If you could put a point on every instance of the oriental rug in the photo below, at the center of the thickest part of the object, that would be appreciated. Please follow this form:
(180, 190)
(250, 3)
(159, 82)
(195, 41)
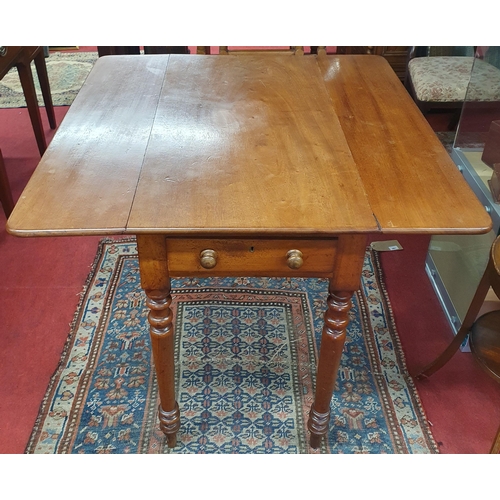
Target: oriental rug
(246, 351)
(66, 71)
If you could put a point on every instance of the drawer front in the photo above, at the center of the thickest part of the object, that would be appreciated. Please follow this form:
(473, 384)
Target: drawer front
(213, 257)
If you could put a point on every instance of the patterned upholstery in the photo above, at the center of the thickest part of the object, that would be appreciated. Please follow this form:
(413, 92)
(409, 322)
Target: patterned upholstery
(446, 78)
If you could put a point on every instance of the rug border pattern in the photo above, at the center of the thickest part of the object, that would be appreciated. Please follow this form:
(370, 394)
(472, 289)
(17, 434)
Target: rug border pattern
(94, 350)
(420, 414)
(35, 434)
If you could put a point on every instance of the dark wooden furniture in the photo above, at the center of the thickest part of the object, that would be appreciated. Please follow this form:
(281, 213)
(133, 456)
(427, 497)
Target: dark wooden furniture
(5, 192)
(395, 56)
(484, 332)
(246, 166)
(136, 50)
(290, 50)
(226, 50)
(21, 57)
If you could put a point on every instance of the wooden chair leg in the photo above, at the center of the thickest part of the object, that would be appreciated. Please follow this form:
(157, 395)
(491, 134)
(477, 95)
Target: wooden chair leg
(43, 78)
(26, 77)
(5, 192)
(469, 319)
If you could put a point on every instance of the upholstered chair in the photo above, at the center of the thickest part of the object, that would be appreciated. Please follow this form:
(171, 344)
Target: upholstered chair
(440, 77)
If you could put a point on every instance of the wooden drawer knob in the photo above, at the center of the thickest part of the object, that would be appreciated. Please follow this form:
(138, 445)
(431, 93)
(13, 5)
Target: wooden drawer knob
(294, 259)
(208, 258)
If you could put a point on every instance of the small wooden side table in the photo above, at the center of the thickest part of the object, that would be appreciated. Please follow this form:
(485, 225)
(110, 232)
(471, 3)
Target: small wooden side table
(484, 332)
(255, 165)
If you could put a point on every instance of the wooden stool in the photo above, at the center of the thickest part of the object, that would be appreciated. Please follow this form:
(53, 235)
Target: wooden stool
(21, 57)
(5, 192)
(484, 333)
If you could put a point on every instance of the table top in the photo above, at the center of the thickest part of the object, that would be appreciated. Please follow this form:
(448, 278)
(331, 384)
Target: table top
(260, 146)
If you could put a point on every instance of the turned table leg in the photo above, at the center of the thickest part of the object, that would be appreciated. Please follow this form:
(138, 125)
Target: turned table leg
(332, 344)
(345, 281)
(155, 281)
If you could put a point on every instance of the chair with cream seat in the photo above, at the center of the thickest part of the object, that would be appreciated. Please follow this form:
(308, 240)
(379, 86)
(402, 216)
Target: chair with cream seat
(440, 77)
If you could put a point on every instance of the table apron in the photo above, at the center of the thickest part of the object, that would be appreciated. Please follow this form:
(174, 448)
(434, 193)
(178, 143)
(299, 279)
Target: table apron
(251, 257)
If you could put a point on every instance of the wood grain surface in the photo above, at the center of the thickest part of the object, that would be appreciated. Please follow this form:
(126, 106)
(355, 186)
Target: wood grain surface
(409, 177)
(247, 145)
(275, 146)
(86, 180)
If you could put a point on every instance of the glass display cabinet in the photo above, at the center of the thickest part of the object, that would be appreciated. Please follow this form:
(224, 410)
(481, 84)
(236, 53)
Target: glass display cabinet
(455, 264)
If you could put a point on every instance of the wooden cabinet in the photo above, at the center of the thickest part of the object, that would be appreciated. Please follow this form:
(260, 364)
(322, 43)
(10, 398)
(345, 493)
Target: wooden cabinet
(395, 56)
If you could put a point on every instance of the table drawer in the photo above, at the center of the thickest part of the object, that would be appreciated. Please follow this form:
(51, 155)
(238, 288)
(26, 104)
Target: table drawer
(213, 257)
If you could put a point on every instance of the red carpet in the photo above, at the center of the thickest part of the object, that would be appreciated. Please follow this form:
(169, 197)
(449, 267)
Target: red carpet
(39, 286)
(461, 401)
(40, 280)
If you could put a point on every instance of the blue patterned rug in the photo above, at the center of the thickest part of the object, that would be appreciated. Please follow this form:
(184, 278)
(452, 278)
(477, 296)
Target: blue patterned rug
(246, 363)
